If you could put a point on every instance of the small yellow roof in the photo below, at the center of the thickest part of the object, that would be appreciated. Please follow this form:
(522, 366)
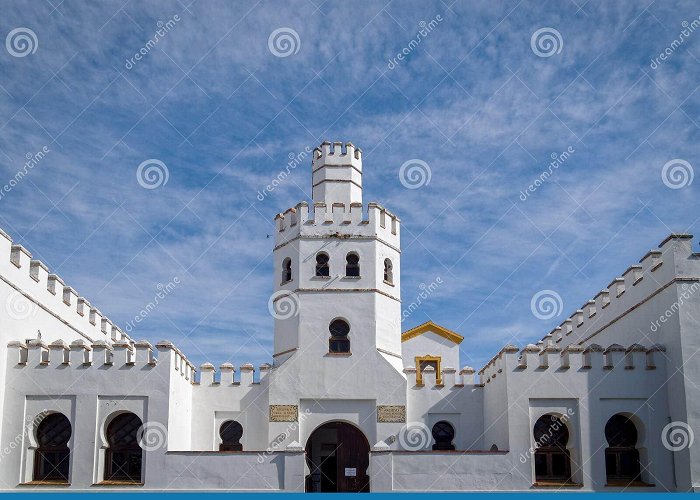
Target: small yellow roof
(432, 327)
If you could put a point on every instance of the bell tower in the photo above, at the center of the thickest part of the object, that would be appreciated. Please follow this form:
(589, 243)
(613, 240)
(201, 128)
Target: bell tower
(337, 270)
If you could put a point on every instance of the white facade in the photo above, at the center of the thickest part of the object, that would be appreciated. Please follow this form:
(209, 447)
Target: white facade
(359, 402)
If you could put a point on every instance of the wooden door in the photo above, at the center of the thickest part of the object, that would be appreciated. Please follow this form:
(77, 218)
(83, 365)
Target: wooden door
(353, 459)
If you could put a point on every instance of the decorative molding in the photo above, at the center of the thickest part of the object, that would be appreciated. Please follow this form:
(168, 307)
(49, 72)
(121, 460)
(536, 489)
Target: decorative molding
(432, 327)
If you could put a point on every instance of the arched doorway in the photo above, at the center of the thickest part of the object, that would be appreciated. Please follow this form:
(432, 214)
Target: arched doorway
(337, 454)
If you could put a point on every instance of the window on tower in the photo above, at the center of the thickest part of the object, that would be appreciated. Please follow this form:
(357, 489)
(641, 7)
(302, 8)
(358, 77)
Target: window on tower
(339, 343)
(286, 270)
(322, 267)
(352, 265)
(388, 272)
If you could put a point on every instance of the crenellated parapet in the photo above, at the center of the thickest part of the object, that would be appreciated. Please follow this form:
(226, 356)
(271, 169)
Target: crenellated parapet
(337, 220)
(226, 375)
(80, 353)
(32, 281)
(550, 357)
(336, 154)
(673, 260)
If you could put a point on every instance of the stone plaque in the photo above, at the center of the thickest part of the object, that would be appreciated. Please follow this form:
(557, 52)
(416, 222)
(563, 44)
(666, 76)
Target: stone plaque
(284, 413)
(391, 414)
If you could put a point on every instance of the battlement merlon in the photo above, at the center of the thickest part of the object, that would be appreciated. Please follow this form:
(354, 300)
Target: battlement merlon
(336, 174)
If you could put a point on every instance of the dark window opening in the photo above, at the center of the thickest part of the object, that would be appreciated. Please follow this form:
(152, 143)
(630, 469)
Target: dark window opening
(322, 267)
(388, 271)
(231, 433)
(52, 456)
(286, 270)
(339, 341)
(124, 456)
(443, 434)
(621, 457)
(552, 458)
(352, 265)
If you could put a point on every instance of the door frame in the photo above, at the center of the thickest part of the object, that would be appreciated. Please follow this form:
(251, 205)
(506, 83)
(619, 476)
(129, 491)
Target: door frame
(341, 482)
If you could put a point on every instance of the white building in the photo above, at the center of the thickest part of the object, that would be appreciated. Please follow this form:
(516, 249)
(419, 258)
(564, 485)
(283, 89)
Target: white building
(349, 402)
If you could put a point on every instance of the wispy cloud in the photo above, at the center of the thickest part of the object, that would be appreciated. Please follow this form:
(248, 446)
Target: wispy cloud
(223, 113)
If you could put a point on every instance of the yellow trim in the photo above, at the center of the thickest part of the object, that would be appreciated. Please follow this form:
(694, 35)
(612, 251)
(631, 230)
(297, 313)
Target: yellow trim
(438, 370)
(432, 327)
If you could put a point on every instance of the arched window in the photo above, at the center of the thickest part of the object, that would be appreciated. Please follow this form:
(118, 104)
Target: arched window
(552, 459)
(231, 433)
(443, 434)
(124, 455)
(286, 270)
(52, 456)
(621, 457)
(352, 265)
(388, 271)
(322, 268)
(339, 341)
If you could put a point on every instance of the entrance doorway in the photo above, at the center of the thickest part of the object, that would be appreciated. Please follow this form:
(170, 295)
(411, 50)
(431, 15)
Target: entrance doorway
(337, 454)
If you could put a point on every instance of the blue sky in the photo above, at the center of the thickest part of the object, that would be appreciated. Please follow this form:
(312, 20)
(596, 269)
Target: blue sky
(472, 100)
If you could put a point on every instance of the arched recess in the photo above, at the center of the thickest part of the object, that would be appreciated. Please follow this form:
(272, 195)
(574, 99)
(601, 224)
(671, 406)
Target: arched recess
(52, 454)
(623, 458)
(443, 434)
(123, 456)
(231, 432)
(337, 454)
(552, 450)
